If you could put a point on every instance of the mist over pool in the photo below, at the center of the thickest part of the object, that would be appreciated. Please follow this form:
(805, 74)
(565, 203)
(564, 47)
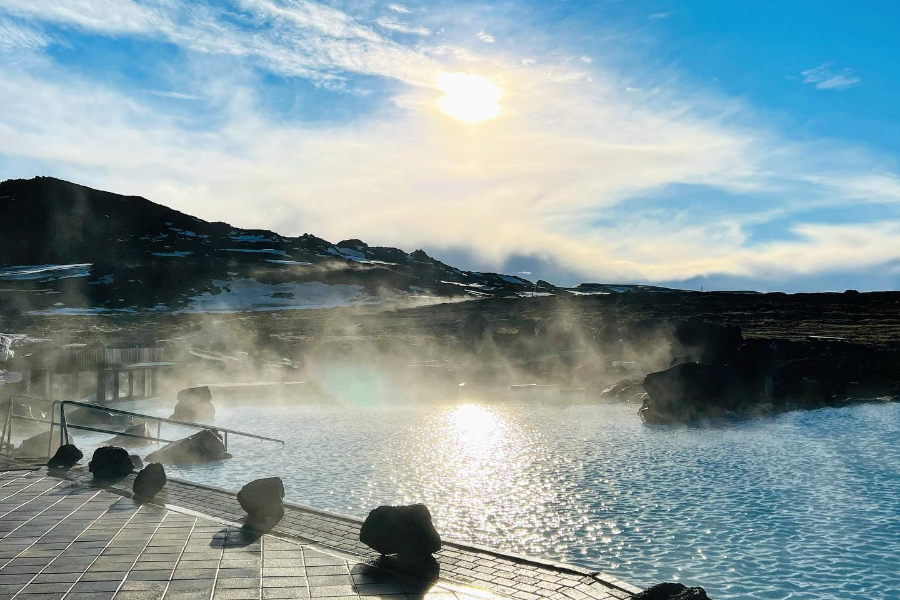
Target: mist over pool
(803, 505)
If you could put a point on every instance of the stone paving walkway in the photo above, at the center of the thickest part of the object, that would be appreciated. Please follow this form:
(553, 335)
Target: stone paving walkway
(63, 538)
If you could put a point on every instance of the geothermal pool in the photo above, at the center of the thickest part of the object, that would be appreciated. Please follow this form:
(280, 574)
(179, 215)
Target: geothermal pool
(805, 505)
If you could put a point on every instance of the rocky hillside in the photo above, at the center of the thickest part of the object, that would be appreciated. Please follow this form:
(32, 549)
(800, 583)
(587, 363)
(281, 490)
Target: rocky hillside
(68, 248)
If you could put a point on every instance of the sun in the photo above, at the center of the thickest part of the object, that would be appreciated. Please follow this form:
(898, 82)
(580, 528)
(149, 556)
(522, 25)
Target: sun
(469, 98)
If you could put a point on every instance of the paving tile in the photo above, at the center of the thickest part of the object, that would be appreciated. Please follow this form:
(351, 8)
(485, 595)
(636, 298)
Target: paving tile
(63, 532)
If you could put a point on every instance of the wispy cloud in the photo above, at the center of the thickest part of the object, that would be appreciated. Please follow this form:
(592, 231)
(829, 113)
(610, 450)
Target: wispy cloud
(16, 36)
(659, 15)
(402, 27)
(485, 37)
(175, 95)
(824, 77)
(398, 8)
(539, 181)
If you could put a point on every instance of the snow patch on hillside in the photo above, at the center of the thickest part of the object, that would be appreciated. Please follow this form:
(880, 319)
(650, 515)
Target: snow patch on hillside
(44, 272)
(251, 295)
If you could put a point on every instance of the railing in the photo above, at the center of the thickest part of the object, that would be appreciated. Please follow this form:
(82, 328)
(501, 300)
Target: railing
(64, 426)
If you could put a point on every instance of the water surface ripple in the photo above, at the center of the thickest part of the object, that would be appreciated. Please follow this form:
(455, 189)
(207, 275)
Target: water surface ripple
(802, 506)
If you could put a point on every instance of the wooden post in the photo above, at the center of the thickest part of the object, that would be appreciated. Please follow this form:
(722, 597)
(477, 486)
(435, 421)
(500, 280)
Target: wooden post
(115, 394)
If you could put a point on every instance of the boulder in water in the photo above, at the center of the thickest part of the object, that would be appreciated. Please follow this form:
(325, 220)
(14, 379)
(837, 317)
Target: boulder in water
(262, 500)
(128, 441)
(92, 417)
(203, 446)
(37, 445)
(194, 404)
(149, 481)
(66, 456)
(672, 591)
(405, 530)
(110, 462)
(707, 342)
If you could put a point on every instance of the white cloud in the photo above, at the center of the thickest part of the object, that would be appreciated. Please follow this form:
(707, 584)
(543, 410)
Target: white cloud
(659, 16)
(15, 36)
(824, 78)
(587, 59)
(485, 37)
(175, 95)
(534, 182)
(398, 8)
(402, 27)
(112, 16)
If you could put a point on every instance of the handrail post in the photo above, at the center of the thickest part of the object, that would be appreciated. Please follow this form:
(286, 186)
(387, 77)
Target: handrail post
(158, 430)
(63, 428)
(7, 427)
(52, 422)
(226, 440)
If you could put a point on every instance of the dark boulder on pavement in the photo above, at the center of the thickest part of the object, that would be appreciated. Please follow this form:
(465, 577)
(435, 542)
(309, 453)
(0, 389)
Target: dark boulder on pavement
(406, 530)
(66, 456)
(263, 500)
(194, 404)
(203, 446)
(672, 591)
(110, 462)
(136, 462)
(149, 481)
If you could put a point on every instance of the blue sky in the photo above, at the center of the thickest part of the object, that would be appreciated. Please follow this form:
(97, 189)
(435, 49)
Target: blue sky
(723, 144)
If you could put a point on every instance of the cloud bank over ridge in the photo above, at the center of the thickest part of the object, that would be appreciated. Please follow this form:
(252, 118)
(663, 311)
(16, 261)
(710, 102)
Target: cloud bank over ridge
(586, 171)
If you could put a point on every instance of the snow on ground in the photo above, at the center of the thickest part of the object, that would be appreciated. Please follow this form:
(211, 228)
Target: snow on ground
(250, 295)
(248, 238)
(533, 294)
(515, 280)
(105, 280)
(577, 293)
(44, 272)
(347, 253)
(257, 250)
(289, 262)
(176, 253)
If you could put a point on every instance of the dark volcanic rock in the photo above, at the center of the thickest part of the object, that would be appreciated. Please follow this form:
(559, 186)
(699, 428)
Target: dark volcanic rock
(262, 500)
(194, 404)
(97, 418)
(692, 391)
(149, 481)
(626, 389)
(37, 445)
(203, 446)
(110, 462)
(136, 462)
(672, 591)
(403, 530)
(66, 456)
(128, 441)
(707, 342)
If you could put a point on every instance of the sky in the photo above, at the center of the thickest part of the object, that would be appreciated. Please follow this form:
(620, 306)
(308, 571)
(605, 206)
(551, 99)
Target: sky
(728, 145)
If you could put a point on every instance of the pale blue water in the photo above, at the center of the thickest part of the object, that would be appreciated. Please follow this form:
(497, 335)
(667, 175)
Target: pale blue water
(802, 506)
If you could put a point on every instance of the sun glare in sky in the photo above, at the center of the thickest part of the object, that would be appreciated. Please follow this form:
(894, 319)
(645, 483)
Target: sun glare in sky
(469, 98)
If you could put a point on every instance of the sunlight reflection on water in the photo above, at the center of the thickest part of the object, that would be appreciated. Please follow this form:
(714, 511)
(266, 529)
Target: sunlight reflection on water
(800, 506)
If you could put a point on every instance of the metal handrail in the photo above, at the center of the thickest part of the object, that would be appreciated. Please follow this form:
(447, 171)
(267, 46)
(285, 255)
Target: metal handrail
(64, 426)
